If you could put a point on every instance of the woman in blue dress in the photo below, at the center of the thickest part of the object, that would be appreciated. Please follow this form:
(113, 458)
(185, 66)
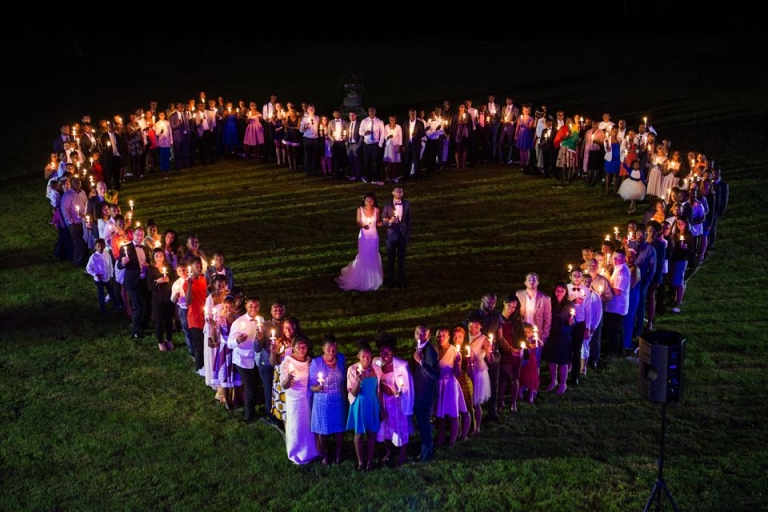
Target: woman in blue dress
(524, 136)
(329, 406)
(231, 141)
(612, 160)
(365, 409)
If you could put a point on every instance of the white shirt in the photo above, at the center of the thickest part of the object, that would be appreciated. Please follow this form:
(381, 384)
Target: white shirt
(177, 293)
(620, 279)
(530, 308)
(308, 126)
(243, 354)
(396, 133)
(100, 264)
(163, 133)
(434, 128)
(581, 310)
(375, 126)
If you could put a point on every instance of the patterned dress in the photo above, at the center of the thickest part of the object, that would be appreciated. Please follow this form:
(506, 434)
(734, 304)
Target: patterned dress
(329, 406)
(278, 393)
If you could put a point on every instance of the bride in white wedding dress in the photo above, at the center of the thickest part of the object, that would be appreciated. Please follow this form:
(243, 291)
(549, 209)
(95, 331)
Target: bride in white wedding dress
(365, 272)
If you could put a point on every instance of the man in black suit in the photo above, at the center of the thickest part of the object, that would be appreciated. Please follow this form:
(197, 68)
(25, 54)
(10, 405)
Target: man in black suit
(396, 216)
(181, 137)
(426, 373)
(134, 258)
(413, 135)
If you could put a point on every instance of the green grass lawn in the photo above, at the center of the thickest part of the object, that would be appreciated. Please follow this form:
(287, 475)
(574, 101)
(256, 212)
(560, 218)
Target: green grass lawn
(92, 419)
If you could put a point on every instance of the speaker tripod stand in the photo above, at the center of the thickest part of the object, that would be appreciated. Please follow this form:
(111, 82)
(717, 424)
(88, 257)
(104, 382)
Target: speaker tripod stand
(661, 485)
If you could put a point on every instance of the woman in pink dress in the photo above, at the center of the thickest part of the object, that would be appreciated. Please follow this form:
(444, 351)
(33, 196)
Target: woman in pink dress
(254, 133)
(450, 399)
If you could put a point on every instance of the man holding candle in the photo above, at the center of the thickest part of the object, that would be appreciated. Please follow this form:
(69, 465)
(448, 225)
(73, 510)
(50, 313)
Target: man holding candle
(396, 215)
(134, 258)
(353, 139)
(536, 308)
(413, 135)
(245, 341)
(618, 306)
(371, 130)
(73, 206)
(309, 127)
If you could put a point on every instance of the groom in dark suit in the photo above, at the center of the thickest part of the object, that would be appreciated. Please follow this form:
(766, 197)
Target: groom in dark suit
(134, 258)
(396, 215)
(426, 373)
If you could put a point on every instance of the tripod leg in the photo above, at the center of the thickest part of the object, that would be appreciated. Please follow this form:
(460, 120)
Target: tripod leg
(655, 495)
(669, 496)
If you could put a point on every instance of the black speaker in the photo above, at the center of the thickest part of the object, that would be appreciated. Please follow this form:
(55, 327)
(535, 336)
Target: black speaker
(661, 366)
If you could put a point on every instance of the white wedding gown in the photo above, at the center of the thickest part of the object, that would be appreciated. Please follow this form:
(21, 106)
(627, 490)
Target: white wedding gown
(365, 272)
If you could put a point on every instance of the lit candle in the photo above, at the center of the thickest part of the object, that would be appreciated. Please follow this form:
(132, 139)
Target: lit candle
(320, 379)
(157, 243)
(291, 368)
(570, 268)
(573, 312)
(212, 264)
(138, 224)
(189, 269)
(88, 219)
(607, 238)
(600, 289)
(205, 310)
(359, 368)
(682, 238)
(165, 272)
(77, 210)
(467, 350)
(399, 384)
(273, 335)
(130, 203)
(522, 345)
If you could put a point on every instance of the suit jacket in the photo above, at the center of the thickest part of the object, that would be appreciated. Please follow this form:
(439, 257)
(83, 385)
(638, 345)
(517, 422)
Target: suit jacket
(342, 135)
(177, 127)
(398, 230)
(425, 376)
(132, 268)
(542, 316)
(419, 133)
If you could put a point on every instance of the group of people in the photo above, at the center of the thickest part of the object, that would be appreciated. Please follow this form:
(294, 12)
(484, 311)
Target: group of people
(482, 365)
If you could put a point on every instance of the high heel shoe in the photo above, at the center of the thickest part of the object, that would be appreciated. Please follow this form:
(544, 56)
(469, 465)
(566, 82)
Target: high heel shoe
(561, 389)
(359, 467)
(513, 408)
(551, 387)
(162, 348)
(531, 397)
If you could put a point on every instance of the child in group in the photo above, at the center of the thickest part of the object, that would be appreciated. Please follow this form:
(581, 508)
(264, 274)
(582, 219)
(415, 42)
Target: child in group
(101, 268)
(633, 187)
(529, 372)
(178, 297)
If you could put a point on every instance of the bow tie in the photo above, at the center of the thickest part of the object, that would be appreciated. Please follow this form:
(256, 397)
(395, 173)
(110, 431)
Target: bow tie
(397, 204)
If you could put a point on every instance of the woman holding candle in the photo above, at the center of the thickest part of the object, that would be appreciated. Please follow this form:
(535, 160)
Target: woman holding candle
(461, 130)
(193, 250)
(657, 211)
(524, 135)
(223, 367)
(135, 145)
(450, 400)
(329, 405)
(512, 333)
(612, 160)
(365, 272)
(365, 408)
(670, 178)
(392, 142)
(655, 174)
(278, 133)
(164, 139)
(282, 347)
(213, 310)
(230, 140)
(681, 244)
(480, 347)
(326, 154)
(460, 337)
(293, 137)
(557, 350)
(254, 133)
(300, 442)
(397, 400)
(163, 309)
(170, 245)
